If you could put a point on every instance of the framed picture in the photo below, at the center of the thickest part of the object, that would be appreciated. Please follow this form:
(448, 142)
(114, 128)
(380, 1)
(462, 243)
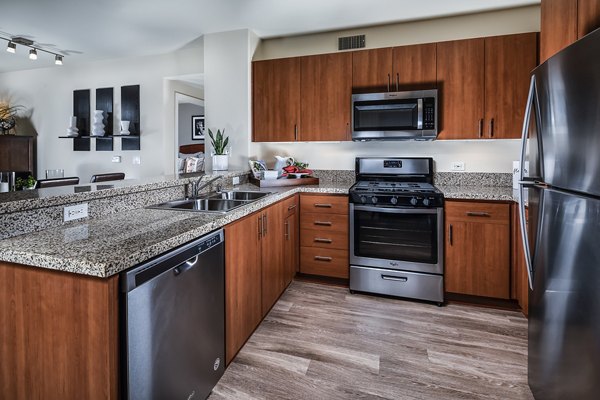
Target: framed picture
(198, 127)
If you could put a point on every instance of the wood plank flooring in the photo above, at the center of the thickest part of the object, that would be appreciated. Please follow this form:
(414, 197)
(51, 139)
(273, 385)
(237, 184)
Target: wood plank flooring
(321, 342)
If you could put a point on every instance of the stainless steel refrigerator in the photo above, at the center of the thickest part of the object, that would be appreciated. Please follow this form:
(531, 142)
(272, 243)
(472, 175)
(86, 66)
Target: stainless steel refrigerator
(562, 234)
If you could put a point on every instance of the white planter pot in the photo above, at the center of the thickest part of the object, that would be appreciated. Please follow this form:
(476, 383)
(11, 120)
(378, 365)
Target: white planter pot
(220, 162)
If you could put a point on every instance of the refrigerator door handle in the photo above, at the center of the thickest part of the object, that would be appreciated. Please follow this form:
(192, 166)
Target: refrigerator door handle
(522, 183)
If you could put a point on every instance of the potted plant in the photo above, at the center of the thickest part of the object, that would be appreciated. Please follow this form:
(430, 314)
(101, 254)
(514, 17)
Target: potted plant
(25, 183)
(220, 156)
(8, 117)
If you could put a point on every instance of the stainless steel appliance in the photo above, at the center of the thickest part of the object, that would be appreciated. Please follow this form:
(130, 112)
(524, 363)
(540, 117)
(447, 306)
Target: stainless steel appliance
(396, 229)
(173, 322)
(395, 116)
(562, 130)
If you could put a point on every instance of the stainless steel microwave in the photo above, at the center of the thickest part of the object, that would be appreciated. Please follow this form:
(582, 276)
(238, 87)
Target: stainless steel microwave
(395, 115)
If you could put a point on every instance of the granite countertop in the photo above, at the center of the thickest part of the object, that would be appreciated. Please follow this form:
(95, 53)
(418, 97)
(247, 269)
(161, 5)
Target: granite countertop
(105, 246)
(464, 192)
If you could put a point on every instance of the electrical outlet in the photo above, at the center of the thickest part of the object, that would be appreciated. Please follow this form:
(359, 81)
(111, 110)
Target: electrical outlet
(77, 211)
(116, 159)
(137, 160)
(458, 166)
(236, 180)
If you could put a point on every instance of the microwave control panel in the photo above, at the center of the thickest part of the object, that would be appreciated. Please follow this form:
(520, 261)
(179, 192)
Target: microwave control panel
(429, 113)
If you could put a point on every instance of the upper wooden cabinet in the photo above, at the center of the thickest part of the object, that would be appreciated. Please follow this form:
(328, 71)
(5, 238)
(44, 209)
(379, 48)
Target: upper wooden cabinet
(392, 69)
(276, 100)
(17, 153)
(565, 21)
(484, 84)
(326, 91)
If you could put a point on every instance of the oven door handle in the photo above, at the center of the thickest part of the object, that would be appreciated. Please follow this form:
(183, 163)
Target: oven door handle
(397, 210)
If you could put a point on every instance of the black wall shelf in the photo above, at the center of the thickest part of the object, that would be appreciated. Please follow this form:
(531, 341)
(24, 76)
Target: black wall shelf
(81, 110)
(130, 111)
(104, 102)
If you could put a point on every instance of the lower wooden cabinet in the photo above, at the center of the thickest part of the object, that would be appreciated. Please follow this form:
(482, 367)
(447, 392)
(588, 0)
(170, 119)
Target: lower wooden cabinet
(324, 235)
(477, 248)
(520, 279)
(291, 256)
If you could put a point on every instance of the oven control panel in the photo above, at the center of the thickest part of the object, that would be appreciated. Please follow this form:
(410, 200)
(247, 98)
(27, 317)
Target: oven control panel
(391, 200)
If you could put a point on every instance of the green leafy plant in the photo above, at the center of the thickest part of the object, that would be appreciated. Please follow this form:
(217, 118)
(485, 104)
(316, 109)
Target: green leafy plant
(219, 142)
(26, 183)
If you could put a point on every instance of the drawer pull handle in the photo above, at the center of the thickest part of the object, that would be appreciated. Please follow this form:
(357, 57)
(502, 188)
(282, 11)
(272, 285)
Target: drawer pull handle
(323, 223)
(321, 240)
(323, 205)
(478, 214)
(321, 258)
(394, 278)
(290, 208)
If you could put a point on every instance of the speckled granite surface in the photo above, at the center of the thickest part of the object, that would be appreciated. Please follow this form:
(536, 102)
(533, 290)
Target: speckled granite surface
(472, 179)
(497, 193)
(108, 245)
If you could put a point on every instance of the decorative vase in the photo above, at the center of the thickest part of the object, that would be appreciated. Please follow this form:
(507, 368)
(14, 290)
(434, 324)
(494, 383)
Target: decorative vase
(72, 130)
(220, 162)
(98, 125)
(125, 128)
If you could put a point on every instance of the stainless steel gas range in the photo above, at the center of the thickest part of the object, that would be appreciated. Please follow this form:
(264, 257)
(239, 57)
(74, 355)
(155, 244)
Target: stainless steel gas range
(396, 229)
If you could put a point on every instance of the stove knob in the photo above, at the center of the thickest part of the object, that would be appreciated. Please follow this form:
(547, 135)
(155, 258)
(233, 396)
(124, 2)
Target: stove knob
(413, 201)
(426, 202)
(394, 200)
(363, 199)
(374, 200)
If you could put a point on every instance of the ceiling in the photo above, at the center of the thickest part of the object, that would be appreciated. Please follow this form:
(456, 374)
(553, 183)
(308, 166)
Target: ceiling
(86, 30)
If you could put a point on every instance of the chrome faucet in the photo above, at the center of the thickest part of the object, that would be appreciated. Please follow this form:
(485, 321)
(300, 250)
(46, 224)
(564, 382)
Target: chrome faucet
(197, 187)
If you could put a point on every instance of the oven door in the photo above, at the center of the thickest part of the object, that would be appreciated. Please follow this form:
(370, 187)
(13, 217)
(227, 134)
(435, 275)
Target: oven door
(408, 239)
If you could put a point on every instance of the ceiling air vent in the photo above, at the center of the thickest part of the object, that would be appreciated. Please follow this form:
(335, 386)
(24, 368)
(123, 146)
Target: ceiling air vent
(351, 42)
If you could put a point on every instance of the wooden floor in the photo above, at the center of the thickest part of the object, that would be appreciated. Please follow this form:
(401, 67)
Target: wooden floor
(320, 342)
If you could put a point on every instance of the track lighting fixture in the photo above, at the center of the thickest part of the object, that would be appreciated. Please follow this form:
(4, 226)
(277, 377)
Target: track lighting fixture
(13, 41)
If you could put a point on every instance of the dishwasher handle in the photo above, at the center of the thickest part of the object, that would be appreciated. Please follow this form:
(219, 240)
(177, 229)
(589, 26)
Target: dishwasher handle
(178, 260)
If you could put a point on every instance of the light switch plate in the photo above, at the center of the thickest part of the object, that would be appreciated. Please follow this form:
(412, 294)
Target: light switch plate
(116, 159)
(137, 160)
(236, 180)
(76, 211)
(458, 165)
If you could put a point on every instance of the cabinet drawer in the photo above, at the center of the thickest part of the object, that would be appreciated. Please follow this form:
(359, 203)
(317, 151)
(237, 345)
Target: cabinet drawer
(324, 223)
(325, 262)
(483, 212)
(290, 205)
(324, 239)
(324, 204)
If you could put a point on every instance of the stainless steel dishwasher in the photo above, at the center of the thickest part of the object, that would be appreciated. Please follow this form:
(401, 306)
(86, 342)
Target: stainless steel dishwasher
(173, 322)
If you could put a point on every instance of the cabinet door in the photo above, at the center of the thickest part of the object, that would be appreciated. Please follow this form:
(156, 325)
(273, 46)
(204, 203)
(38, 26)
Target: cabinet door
(372, 70)
(588, 16)
(414, 67)
(509, 60)
(291, 247)
(519, 268)
(460, 77)
(326, 92)
(275, 100)
(272, 244)
(242, 282)
(477, 258)
(558, 26)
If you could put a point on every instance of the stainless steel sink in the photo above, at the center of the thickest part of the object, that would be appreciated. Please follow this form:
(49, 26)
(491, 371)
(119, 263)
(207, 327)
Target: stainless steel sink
(239, 195)
(202, 205)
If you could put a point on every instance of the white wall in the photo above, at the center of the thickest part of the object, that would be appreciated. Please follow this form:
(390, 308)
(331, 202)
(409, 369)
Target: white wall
(48, 94)
(227, 58)
(478, 155)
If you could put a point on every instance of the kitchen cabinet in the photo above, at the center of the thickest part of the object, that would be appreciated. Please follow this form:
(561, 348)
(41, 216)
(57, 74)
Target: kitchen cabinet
(520, 280)
(326, 91)
(324, 235)
(393, 69)
(291, 255)
(276, 100)
(17, 153)
(59, 334)
(477, 248)
(565, 21)
(271, 241)
(483, 85)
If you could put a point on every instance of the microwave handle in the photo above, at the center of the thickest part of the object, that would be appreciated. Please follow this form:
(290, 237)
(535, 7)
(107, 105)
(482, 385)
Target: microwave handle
(420, 113)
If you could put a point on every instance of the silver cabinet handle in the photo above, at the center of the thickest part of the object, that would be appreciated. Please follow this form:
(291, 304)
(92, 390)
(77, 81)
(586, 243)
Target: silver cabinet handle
(394, 278)
(259, 227)
(322, 240)
(397, 81)
(389, 81)
(291, 207)
(481, 127)
(323, 223)
(321, 258)
(323, 205)
(287, 230)
(264, 224)
(295, 131)
(450, 234)
(492, 127)
(478, 214)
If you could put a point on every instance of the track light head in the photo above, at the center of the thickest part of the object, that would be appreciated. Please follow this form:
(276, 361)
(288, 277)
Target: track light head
(58, 60)
(11, 47)
(32, 54)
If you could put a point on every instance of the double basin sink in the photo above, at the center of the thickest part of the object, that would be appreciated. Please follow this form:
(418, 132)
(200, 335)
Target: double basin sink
(214, 202)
